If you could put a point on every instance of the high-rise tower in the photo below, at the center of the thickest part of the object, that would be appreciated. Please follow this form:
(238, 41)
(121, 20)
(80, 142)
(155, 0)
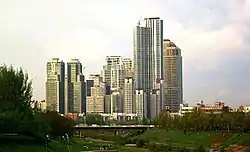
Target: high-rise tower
(148, 58)
(55, 85)
(173, 89)
(75, 88)
(129, 96)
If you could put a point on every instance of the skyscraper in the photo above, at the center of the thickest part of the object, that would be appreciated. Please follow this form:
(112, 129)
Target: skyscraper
(173, 89)
(55, 85)
(75, 92)
(148, 57)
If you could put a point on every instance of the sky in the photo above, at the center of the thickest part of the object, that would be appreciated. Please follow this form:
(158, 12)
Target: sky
(214, 36)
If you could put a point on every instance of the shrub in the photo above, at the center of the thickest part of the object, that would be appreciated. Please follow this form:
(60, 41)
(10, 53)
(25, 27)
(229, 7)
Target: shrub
(158, 147)
(140, 143)
(200, 149)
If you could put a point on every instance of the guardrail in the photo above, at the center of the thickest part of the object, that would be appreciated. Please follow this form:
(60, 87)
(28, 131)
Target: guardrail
(116, 126)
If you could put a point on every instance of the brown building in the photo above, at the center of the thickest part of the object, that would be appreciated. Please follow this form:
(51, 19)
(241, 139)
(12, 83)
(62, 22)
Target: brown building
(217, 108)
(172, 65)
(72, 116)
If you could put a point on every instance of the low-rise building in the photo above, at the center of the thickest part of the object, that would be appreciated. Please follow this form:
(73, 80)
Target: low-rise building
(217, 108)
(246, 109)
(184, 108)
(119, 116)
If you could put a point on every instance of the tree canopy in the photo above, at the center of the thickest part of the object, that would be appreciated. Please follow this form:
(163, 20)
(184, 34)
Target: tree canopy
(201, 121)
(15, 90)
(16, 113)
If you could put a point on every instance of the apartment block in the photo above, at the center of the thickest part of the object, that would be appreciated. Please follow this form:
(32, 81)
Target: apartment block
(55, 85)
(129, 96)
(141, 103)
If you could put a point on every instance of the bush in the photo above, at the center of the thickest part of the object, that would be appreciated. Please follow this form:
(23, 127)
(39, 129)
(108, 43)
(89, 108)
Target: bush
(60, 125)
(140, 143)
(182, 149)
(121, 142)
(158, 147)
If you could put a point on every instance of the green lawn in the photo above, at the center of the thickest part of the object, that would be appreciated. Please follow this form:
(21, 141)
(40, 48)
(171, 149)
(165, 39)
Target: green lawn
(239, 139)
(55, 146)
(158, 136)
(178, 138)
(131, 149)
(79, 145)
(35, 148)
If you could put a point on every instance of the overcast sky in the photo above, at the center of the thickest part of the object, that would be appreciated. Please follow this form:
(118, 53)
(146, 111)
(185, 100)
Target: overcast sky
(213, 34)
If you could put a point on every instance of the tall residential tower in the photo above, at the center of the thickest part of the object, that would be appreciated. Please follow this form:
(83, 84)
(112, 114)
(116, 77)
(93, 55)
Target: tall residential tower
(148, 59)
(129, 96)
(55, 85)
(75, 88)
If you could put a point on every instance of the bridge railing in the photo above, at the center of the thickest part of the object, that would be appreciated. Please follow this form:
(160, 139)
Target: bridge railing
(117, 126)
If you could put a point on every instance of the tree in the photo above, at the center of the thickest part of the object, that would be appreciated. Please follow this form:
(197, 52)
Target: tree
(16, 114)
(60, 125)
(203, 121)
(164, 119)
(15, 96)
(94, 119)
(15, 90)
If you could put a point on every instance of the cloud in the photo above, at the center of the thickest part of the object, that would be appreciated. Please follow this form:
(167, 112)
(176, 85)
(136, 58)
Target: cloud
(208, 30)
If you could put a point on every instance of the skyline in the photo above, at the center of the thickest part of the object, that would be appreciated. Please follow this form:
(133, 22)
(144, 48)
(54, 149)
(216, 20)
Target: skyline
(213, 39)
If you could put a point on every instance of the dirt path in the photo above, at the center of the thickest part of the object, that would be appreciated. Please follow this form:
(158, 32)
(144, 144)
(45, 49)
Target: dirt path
(239, 149)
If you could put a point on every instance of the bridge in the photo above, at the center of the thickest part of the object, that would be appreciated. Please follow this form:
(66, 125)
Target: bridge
(117, 127)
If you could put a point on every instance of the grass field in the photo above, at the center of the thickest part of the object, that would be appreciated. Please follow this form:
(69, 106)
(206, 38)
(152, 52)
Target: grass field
(178, 138)
(77, 146)
(54, 146)
(241, 139)
(131, 149)
(157, 136)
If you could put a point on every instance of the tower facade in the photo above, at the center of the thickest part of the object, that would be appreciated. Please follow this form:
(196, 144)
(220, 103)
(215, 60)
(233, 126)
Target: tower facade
(75, 88)
(113, 72)
(129, 92)
(173, 87)
(55, 85)
(148, 57)
(128, 67)
(95, 102)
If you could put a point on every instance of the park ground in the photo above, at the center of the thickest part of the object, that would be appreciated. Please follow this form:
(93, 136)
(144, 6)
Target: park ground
(94, 140)
(78, 145)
